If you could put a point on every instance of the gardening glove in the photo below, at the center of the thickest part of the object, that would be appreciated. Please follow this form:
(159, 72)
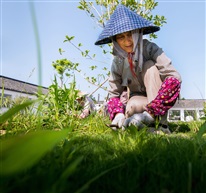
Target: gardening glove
(139, 120)
(118, 121)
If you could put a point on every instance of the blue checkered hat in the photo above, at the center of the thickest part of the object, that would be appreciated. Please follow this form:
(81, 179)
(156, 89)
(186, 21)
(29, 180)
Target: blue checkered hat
(123, 20)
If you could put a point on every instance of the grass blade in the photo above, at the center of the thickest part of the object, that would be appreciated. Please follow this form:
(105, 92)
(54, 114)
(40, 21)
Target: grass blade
(202, 130)
(8, 114)
(85, 186)
(22, 152)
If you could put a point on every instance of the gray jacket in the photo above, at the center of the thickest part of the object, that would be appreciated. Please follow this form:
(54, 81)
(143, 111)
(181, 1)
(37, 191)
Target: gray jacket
(121, 75)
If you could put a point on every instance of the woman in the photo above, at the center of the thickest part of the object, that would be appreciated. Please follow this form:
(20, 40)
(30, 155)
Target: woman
(142, 67)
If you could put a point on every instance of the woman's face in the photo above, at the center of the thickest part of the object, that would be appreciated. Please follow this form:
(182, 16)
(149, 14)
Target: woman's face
(125, 41)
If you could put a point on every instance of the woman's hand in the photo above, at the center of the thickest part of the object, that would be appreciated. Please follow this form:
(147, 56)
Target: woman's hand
(118, 121)
(85, 113)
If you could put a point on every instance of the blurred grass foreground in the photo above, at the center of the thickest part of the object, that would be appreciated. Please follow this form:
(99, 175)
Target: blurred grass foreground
(50, 150)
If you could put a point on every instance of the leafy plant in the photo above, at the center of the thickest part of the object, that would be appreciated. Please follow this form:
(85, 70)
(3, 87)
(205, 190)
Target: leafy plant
(60, 105)
(202, 129)
(64, 65)
(15, 109)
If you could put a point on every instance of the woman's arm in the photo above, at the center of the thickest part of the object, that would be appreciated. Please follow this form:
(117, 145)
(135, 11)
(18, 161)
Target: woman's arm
(164, 64)
(171, 80)
(166, 97)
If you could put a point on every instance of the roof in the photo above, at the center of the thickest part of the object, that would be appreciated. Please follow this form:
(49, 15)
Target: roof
(190, 103)
(11, 84)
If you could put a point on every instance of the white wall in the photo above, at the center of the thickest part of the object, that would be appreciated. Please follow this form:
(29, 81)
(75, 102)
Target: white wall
(14, 95)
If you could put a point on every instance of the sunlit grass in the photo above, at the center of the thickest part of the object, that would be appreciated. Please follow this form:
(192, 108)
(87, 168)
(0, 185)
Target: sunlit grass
(87, 156)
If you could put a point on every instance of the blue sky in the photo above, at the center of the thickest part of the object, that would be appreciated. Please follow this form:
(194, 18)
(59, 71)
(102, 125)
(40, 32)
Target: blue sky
(182, 39)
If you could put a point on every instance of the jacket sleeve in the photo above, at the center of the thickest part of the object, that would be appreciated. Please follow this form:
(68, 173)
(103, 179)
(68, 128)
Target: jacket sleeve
(164, 64)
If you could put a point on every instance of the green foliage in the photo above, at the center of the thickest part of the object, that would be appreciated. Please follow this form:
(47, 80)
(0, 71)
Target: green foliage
(95, 156)
(63, 65)
(86, 155)
(69, 38)
(202, 129)
(179, 127)
(204, 109)
(26, 150)
(60, 105)
(15, 109)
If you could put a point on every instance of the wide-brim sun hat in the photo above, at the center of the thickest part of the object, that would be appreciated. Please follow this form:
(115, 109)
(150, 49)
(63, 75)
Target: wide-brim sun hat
(81, 94)
(123, 20)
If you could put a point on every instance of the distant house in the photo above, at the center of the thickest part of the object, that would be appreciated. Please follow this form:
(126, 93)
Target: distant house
(187, 110)
(12, 88)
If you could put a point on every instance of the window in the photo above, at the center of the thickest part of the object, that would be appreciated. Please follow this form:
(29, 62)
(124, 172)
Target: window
(174, 115)
(201, 113)
(190, 115)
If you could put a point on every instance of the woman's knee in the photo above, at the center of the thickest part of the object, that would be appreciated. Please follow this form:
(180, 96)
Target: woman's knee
(135, 105)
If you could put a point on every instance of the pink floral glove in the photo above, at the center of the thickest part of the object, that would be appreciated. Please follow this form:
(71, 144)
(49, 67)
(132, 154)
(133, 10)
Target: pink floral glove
(166, 97)
(115, 106)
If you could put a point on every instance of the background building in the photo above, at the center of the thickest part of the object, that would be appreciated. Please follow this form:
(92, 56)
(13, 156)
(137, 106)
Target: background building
(11, 89)
(187, 110)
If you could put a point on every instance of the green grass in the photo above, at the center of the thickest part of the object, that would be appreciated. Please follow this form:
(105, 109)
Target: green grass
(90, 157)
